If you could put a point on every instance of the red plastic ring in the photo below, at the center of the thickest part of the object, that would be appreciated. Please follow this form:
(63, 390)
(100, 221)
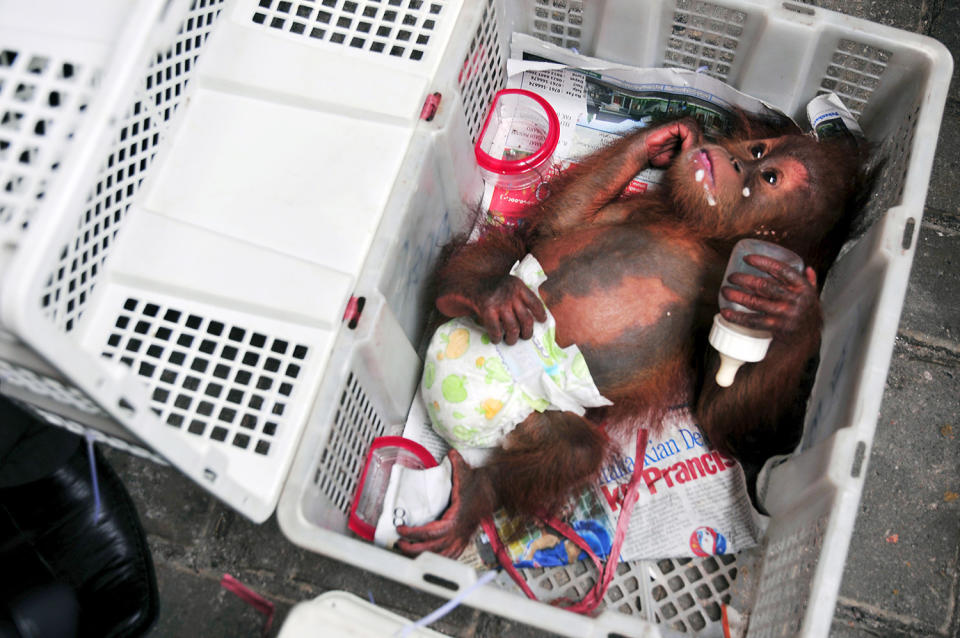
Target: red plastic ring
(513, 167)
(362, 528)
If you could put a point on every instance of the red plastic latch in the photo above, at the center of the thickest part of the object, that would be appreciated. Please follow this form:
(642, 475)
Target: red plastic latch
(430, 106)
(353, 311)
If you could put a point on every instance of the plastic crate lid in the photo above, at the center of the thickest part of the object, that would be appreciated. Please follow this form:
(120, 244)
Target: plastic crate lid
(340, 614)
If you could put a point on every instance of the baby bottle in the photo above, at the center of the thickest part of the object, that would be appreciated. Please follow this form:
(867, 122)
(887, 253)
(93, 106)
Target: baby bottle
(737, 344)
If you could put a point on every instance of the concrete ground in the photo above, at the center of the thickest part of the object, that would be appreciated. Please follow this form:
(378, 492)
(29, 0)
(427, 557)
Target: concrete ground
(901, 577)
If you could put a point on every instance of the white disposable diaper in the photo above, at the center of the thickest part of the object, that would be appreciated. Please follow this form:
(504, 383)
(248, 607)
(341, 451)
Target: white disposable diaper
(476, 391)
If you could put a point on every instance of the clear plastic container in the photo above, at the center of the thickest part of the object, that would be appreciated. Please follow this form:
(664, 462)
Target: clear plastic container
(516, 144)
(385, 452)
(738, 344)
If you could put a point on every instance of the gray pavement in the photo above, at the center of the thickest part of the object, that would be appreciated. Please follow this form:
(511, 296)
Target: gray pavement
(901, 576)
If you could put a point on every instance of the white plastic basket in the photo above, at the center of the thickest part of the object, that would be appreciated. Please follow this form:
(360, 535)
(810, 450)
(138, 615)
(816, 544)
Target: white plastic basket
(302, 174)
(344, 615)
(782, 53)
(86, 92)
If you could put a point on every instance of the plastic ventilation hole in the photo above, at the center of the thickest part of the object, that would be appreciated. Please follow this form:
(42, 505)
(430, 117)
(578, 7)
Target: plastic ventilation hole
(704, 38)
(137, 135)
(482, 72)
(356, 424)
(226, 383)
(908, 229)
(854, 72)
(42, 100)
(858, 457)
(558, 22)
(398, 28)
(799, 8)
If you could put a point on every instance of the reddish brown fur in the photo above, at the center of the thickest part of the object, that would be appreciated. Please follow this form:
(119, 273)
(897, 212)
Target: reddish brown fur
(530, 456)
(633, 282)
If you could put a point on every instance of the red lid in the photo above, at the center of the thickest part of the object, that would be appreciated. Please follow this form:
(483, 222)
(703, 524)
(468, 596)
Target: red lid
(513, 167)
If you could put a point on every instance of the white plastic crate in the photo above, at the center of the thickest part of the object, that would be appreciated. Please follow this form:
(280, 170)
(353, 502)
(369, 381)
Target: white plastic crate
(299, 175)
(782, 53)
(86, 93)
(344, 615)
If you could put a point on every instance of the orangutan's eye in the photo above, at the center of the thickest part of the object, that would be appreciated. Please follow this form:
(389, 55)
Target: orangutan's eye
(756, 151)
(769, 177)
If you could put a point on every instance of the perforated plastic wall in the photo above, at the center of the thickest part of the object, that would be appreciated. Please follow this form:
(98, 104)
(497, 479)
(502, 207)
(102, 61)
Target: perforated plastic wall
(484, 70)
(399, 28)
(223, 382)
(704, 37)
(684, 594)
(855, 72)
(559, 22)
(42, 100)
(97, 436)
(893, 157)
(69, 285)
(355, 426)
(44, 386)
(784, 589)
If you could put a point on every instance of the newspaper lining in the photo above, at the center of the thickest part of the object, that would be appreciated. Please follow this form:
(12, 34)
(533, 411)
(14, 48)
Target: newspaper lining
(692, 502)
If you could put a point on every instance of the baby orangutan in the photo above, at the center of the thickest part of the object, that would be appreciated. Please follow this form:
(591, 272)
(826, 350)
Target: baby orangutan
(632, 282)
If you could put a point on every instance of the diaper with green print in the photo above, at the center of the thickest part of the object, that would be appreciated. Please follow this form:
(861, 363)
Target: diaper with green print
(476, 391)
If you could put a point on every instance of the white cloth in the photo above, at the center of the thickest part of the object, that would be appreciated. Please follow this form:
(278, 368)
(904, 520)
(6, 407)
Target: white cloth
(414, 497)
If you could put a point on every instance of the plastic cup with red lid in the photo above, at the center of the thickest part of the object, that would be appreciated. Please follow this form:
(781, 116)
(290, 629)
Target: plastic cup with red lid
(518, 139)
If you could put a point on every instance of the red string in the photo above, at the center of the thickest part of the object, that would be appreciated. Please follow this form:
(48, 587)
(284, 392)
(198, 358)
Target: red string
(607, 571)
(250, 597)
(503, 557)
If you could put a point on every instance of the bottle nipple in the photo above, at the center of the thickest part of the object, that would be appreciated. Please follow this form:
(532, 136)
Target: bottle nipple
(728, 370)
(736, 345)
